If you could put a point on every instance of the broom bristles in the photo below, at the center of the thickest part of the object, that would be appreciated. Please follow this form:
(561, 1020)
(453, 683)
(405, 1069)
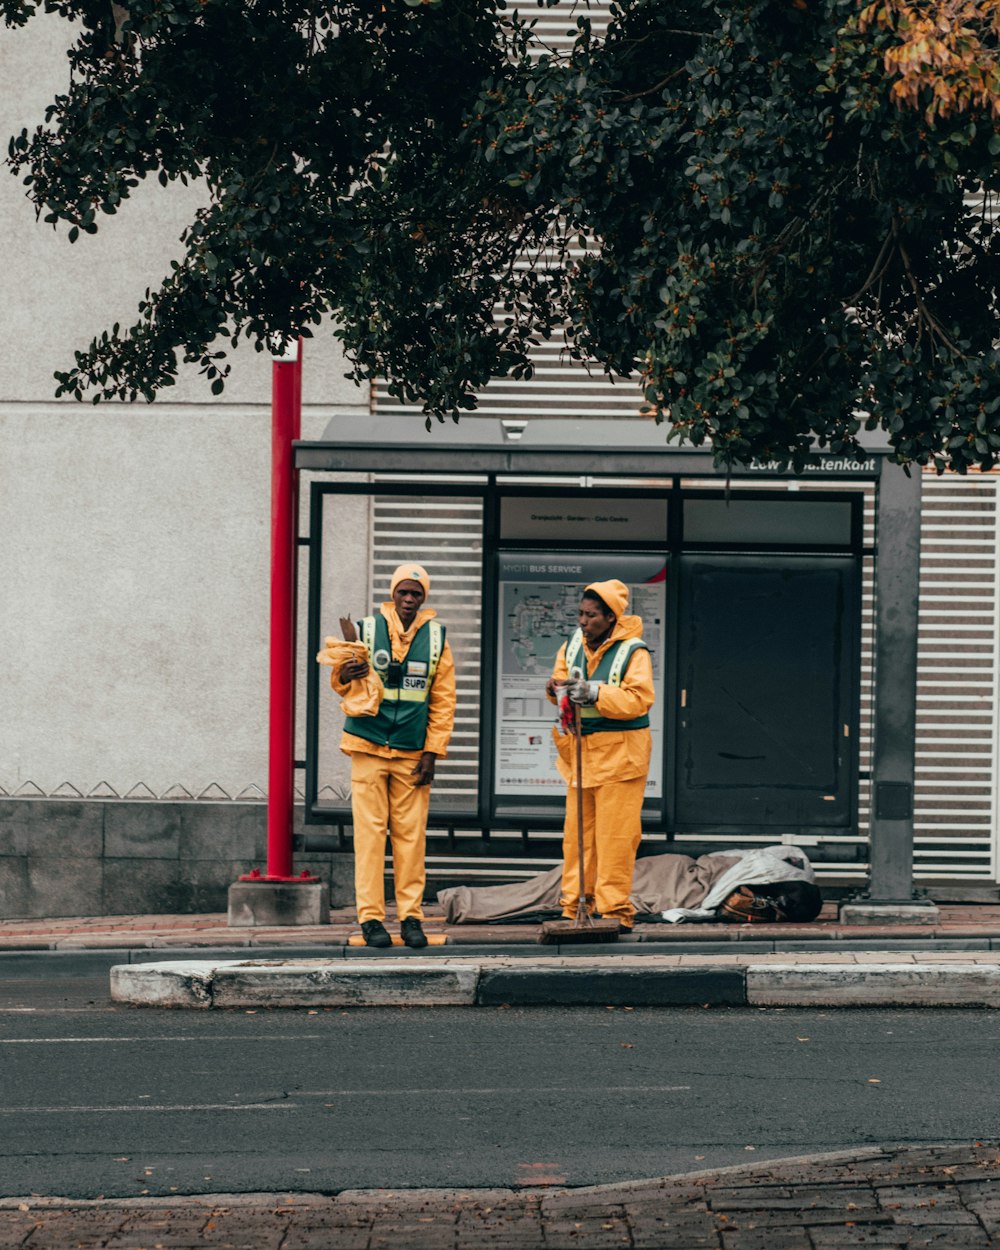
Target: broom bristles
(566, 931)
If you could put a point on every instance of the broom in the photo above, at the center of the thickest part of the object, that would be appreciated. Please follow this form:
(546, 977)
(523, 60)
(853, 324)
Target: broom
(584, 927)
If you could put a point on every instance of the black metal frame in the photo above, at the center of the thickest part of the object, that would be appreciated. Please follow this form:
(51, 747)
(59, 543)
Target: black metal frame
(341, 816)
(544, 816)
(548, 811)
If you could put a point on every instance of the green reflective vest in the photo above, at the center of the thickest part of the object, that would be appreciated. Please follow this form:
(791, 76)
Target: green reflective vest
(610, 670)
(401, 721)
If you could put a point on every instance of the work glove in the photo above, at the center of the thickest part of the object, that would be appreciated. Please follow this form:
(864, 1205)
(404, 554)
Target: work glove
(583, 692)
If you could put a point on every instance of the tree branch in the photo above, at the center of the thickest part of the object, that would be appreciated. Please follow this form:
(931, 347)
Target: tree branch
(637, 95)
(877, 270)
(925, 314)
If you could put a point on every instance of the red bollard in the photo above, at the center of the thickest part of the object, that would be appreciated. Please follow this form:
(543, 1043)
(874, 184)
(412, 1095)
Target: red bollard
(286, 426)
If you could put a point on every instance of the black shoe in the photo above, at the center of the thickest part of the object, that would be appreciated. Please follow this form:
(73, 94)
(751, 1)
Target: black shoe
(624, 928)
(376, 934)
(412, 934)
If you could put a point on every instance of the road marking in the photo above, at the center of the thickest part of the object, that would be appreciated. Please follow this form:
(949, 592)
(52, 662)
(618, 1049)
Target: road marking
(145, 1106)
(88, 1010)
(490, 1091)
(219, 1037)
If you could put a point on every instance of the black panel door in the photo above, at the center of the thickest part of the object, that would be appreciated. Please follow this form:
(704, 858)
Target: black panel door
(768, 670)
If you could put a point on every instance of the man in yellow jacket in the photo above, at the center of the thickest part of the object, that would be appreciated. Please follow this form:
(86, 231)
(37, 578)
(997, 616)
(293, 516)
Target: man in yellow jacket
(394, 751)
(604, 669)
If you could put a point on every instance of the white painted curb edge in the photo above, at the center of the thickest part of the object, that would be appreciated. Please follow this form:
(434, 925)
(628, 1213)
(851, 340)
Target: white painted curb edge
(438, 982)
(944, 984)
(285, 983)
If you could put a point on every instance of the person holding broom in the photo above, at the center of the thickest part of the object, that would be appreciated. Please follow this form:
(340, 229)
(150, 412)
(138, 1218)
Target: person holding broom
(604, 672)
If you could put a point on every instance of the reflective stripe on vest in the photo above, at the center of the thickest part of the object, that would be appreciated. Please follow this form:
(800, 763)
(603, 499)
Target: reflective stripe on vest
(614, 661)
(368, 635)
(401, 721)
(622, 655)
(401, 694)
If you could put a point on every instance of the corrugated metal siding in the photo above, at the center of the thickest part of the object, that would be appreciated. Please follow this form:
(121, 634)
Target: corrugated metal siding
(446, 536)
(561, 386)
(555, 29)
(866, 688)
(956, 812)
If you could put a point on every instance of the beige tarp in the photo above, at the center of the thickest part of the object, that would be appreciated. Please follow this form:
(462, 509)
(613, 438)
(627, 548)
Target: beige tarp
(659, 882)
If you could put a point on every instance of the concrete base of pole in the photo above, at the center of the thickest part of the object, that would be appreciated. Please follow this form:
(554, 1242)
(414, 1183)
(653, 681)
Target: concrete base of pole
(269, 904)
(341, 870)
(889, 911)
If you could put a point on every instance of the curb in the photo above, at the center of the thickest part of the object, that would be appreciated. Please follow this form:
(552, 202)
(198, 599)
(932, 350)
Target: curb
(16, 961)
(913, 1196)
(866, 985)
(609, 1190)
(206, 984)
(593, 985)
(283, 983)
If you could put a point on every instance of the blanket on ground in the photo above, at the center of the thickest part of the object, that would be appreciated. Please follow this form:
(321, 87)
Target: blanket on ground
(660, 884)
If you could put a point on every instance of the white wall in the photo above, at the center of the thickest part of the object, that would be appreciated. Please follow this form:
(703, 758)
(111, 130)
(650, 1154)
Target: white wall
(133, 538)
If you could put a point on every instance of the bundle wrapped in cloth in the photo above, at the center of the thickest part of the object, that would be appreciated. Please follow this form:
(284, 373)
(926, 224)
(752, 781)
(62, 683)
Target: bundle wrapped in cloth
(765, 884)
(364, 698)
(674, 888)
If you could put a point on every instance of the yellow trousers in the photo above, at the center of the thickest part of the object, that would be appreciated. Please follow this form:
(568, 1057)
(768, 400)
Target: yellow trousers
(612, 829)
(385, 800)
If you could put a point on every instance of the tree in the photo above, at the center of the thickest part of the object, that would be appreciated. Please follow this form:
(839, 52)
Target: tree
(288, 110)
(777, 214)
(945, 55)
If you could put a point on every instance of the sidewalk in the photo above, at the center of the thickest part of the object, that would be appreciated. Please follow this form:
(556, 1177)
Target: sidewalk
(196, 961)
(904, 1199)
(962, 926)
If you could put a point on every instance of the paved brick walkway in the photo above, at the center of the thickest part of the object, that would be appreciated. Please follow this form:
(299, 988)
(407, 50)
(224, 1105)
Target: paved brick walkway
(913, 1199)
(958, 921)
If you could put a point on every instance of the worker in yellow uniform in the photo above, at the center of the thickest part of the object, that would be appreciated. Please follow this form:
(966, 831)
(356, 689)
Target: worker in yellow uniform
(604, 669)
(393, 751)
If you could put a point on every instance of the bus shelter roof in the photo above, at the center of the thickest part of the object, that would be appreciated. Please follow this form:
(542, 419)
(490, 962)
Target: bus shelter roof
(480, 445)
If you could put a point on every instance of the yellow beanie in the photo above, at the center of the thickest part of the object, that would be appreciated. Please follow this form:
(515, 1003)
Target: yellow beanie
(614, 594)
(411, 573)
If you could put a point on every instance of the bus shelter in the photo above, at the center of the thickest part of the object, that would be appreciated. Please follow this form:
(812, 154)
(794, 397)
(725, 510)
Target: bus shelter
(780, 610)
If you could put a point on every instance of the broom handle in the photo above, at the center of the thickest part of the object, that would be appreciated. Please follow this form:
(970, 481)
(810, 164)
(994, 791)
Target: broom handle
(579, 807)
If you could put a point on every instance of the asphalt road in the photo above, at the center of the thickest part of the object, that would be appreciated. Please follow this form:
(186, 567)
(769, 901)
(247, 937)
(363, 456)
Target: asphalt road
(123, 1102)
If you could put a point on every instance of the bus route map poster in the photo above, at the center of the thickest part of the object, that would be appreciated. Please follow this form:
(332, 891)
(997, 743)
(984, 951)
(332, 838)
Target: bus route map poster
(537, 602)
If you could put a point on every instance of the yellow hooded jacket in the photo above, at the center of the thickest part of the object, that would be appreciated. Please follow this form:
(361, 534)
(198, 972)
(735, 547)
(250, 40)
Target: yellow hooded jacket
(364, 697)
(440, 701)
(609, 755)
